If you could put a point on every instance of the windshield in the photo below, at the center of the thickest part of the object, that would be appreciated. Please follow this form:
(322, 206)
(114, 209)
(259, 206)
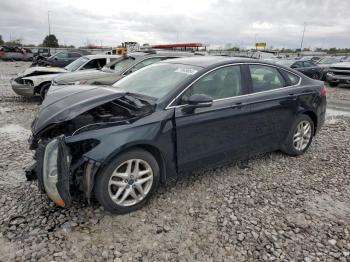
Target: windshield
(328, 60)
(76, 64)
(287, 63)
(120, 65)
(156, 80)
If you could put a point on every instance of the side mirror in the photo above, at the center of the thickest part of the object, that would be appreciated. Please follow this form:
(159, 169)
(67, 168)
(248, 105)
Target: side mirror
(294, 66)
(197, 101)
(56, 58)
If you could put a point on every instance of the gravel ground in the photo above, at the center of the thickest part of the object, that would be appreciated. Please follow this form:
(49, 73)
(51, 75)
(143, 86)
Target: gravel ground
(274, 208)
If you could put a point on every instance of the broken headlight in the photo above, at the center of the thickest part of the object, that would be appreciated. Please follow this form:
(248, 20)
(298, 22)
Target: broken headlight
(50, 174)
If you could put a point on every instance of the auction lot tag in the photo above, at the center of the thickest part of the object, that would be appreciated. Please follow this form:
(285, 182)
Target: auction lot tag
(187, 71)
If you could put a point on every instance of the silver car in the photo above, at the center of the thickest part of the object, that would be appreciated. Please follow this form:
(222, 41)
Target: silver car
(37, 80)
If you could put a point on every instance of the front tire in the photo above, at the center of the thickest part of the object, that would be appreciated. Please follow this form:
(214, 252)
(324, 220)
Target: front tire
(127, 182)
(299, 137)
(43, 90)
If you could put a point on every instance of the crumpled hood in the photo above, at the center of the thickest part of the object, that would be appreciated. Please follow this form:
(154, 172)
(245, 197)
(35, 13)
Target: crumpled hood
(67, 102)
(31, 70)
(79, 75)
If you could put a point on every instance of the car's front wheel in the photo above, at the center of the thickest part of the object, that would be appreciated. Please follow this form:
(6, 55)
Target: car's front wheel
(299, 137)
(128, 182)
(44, 89)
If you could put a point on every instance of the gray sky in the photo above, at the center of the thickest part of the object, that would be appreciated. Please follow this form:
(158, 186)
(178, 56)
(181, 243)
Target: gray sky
(239, 22)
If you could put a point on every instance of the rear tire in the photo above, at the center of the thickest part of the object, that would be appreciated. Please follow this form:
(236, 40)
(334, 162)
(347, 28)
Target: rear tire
(127, 182)
(44, 89)
(299, 137)
(333, 84)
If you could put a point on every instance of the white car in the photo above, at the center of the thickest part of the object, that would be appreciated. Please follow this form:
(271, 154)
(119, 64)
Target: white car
(37, 80)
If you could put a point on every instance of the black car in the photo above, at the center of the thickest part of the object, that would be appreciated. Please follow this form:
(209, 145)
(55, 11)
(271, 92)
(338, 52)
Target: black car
(60, 59)
(118, 143)
(308, 68)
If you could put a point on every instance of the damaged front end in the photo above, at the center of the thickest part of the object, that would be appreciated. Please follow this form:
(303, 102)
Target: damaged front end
(62, 167)
(57, 171)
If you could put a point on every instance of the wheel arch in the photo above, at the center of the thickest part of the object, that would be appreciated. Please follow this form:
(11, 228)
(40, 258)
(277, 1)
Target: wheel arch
(313, 117)
(38, 87)
(153, 150)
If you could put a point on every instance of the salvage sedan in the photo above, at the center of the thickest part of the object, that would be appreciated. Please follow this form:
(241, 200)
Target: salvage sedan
(118, 143)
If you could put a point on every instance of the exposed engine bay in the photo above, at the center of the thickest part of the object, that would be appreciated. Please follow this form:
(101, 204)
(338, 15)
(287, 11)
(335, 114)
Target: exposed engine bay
(120, 111)
(123, 110)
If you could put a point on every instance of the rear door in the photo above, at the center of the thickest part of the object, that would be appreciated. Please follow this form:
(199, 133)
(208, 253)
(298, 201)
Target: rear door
(274, 103)
(216, 134)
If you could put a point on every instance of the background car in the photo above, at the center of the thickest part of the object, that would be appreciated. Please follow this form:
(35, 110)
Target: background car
(326, 61)
(172, 117)
(338, 73)
(15, 53)
(117, 69)
(60, 59)
(37, 80)
(307, 67)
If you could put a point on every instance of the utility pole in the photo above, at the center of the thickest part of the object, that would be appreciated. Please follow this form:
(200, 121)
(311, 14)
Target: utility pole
(48, 21)
(302, 40)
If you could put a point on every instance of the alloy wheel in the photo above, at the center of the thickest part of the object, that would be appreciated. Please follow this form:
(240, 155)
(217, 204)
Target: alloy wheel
(302, 135)
(130, 182)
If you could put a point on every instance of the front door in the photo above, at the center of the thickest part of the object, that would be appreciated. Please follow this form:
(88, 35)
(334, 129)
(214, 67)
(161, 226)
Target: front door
(216, 134)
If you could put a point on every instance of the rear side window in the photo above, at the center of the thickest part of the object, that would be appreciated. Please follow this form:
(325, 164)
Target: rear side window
(265, 78)
(293, 79)
(62, 55)
(308, 64)
(74, 55)
(298, 65)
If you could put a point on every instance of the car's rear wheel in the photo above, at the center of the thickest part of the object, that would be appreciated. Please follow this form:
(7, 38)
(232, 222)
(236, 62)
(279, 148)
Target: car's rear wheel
(128, 182)
(299, 137)
(333, 84)
(44, 89)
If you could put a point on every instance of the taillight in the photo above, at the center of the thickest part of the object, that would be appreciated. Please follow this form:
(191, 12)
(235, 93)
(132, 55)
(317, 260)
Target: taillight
(324, 90)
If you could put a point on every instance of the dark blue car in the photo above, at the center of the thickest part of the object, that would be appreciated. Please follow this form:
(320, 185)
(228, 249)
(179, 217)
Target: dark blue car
(118, 143)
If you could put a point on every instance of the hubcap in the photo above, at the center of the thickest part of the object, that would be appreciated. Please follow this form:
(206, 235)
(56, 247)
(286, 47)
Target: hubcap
(302, 135)
(130, 182)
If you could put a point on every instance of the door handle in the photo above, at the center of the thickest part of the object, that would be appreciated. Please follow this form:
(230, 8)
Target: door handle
(238, 105)
(292, 96)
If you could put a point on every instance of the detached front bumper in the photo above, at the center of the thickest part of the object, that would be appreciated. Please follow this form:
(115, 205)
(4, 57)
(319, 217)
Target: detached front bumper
(22, 89)
(55, 175)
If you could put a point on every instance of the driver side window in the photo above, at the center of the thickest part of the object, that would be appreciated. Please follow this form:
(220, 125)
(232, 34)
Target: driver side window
(224, 82)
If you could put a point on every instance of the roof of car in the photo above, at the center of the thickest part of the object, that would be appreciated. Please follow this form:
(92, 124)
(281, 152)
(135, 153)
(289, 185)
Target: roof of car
(101, 56)
(205, 61)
